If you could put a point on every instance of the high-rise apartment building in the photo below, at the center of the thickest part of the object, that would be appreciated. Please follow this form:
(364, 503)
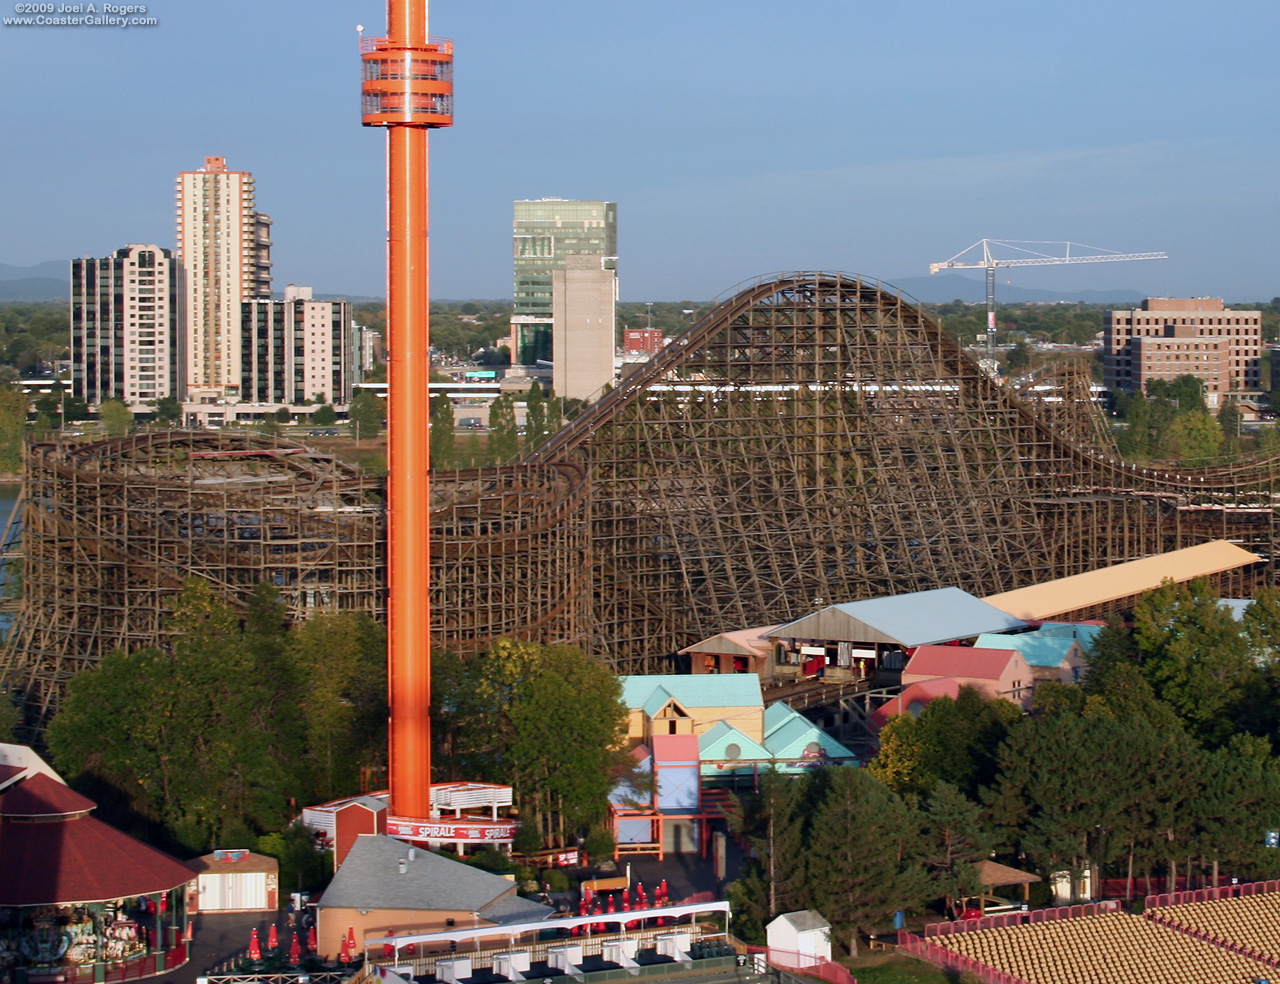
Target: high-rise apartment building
(224, 245)
(127, 341)
(1169, 337)
(296, 349)
(545, 232)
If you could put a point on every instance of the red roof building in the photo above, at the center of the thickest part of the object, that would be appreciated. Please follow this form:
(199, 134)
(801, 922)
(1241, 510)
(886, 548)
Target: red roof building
(992, 672)
(78, 898)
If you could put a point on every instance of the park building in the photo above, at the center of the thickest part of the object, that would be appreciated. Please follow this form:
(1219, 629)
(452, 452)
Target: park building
(127, 340)
(565, 258)
(1168, 337)
(224, 245)
(296, 349)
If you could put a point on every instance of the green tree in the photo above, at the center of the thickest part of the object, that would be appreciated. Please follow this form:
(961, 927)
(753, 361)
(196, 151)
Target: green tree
(504, 443)
(13, 424)
(545, 719)
(1019, 358)
(168, 410)
(341, 659)
(201, 735)
(283, 416)
(366, 414)
(859, 869)
(952, 740)
(444, 451)
(773, 820)
(302, 867)
(1194, 436)
(324, 416)
(953, 839)
(1194, 655)
(535, 419)
(115, 417)
(9, 717)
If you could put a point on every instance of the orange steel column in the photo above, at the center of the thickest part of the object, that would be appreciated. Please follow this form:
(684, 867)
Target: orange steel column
(407, 87)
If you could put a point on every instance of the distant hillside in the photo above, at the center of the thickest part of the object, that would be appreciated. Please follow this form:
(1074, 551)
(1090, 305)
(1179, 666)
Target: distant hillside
(954, 287)
(34, 289)
(51, 269)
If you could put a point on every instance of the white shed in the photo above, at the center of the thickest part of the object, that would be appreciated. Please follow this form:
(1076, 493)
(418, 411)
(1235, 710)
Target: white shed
(803, 932)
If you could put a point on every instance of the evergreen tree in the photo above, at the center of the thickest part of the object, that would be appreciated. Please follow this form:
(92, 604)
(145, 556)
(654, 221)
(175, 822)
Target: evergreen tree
(444, 452)
(504, 443)
(773, 820)
(858, 868)
(535, 421)
(953, 839)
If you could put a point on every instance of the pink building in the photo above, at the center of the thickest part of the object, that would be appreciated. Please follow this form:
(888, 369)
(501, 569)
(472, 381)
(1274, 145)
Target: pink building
(992, 672)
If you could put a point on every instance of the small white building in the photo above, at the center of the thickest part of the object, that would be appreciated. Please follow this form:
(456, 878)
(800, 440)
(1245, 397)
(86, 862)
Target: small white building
(804, 932)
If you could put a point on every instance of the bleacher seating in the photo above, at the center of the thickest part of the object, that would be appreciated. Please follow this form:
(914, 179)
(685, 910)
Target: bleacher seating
(1112, 948)
(1252, 922)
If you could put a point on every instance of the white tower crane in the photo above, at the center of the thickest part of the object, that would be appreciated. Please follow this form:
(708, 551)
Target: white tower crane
(1028, 257)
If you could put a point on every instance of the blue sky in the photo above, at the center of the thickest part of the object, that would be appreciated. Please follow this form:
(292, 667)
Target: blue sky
(738, 138)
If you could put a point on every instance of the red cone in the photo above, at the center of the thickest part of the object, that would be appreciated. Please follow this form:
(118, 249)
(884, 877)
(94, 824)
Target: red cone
(295, 951)
(273, 938)
(311, 939)
(255, 948)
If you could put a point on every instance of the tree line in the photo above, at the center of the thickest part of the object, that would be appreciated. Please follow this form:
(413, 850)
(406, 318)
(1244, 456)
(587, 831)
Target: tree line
(222, 734)
(220, 737)
(1160, 766)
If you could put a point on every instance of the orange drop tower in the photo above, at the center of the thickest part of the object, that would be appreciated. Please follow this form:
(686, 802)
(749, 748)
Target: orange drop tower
(407, 88)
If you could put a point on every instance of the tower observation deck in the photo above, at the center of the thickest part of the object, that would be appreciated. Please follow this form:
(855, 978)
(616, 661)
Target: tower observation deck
(407, 87)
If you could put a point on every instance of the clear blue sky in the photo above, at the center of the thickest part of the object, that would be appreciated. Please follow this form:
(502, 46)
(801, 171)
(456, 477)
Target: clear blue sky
(738, 137)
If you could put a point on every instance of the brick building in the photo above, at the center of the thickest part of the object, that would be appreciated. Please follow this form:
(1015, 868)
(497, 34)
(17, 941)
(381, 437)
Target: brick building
(1169, 337)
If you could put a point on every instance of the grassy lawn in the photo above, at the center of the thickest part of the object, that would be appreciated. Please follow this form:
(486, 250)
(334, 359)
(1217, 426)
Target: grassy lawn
(893, 968)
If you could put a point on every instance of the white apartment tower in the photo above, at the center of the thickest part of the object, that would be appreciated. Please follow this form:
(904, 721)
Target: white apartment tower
(127, 341)
(224, 246)
(296, 349)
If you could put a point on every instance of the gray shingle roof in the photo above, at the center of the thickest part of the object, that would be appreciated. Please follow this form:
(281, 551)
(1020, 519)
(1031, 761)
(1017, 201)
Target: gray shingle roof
(370, 879)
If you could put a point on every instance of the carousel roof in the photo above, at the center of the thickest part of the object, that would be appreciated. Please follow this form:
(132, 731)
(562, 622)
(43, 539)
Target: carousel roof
(39, 796)
(56, 854)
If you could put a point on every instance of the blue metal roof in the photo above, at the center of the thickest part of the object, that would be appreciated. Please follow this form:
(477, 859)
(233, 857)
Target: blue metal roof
(788, 733)
(693, 690)
(1037, 649)
(910, 620)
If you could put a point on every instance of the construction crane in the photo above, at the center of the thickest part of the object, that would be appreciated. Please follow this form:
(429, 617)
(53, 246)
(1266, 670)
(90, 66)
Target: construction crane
(1029, 257)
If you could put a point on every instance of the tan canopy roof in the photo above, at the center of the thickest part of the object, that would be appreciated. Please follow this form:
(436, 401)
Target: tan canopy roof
(1069, 594)
(992, 875)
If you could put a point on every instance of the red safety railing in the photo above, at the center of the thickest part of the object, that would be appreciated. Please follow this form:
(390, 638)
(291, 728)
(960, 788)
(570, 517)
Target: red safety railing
(1003, 919)
(948, 959)
(805, 963)
(1211, 894)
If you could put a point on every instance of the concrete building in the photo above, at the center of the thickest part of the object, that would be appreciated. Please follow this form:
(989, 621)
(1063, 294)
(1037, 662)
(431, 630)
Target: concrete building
(583, 299)
(224, 245)
(544, 233)
(1169, 337)
(127, 341)
(296, 349)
